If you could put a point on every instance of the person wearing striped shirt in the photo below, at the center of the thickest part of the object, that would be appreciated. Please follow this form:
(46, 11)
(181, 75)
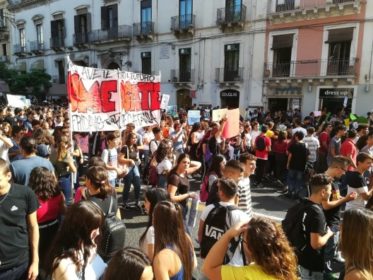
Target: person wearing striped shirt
(248, 163)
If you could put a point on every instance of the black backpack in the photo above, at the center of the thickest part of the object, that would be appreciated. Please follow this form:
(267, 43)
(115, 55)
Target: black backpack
(113, 234)
(260, 143)
(214, 227)
(294, 228)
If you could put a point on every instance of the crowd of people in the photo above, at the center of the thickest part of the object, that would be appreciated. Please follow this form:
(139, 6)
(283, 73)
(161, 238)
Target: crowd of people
(61, 210)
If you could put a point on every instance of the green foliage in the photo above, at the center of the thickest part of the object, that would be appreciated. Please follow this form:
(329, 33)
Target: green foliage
(36, 82)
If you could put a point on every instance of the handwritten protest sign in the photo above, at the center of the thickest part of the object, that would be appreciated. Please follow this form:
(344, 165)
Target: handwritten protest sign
(232, 126)
(164, 101)
(218, 114)
(317, 113)
(105, 100)
(194, 116)
(18, 101)
(172, 110)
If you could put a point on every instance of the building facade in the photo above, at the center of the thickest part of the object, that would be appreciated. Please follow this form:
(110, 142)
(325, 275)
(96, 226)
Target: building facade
(5, 23)
(318, 55)
(208, 52)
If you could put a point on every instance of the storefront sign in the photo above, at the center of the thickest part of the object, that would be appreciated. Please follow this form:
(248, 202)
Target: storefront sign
(336, 92)
(288, 91)
(229, 94)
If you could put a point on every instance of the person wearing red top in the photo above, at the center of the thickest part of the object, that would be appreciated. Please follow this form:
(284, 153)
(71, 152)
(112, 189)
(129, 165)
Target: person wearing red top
(262, 155)
(324, 139)
(52, 205)
(348, 149)
(279, 148)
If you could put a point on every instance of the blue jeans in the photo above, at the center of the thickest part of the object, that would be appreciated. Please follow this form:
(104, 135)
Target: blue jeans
(133, 177)
(66, 187)
(15, 273)
(162, 181)
(295, 182)
(330, 250)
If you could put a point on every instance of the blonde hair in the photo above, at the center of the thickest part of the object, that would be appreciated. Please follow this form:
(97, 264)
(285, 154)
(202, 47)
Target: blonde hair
(357, 226)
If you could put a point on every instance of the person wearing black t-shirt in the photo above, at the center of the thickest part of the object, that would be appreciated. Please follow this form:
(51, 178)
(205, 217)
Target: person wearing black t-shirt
(311, 261)
(296, 165)
(19, 231)
(332, 209)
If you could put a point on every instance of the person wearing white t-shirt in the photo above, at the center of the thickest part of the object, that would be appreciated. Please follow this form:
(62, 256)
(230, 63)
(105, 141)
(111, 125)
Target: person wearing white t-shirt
(227, 192)
(356, 182)
(313, 145)
(110, 157)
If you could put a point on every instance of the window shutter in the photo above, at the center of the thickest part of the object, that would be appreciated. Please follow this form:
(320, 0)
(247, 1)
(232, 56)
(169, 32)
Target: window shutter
(54, 29)
(103, 18)
(115, 16)
(89, 22)
(77, 24)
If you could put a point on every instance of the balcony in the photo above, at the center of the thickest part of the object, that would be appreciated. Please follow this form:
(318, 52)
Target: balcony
(143, 30)
(223, 75)
(37, 47)
(121, 33)
(183, 24)
(232, 17)
(18, 4)
(57, 43)
(81, 40)
(311, 69)
(182, 77)
(303, 8)
(20, 50)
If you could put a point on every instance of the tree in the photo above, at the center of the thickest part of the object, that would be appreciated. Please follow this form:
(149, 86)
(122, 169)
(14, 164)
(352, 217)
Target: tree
(36, 82)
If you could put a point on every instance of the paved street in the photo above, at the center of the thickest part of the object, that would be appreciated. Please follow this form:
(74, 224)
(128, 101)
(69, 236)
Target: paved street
(266, 201)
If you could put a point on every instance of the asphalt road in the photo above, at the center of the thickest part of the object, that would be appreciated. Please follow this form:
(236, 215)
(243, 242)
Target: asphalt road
(266, 201)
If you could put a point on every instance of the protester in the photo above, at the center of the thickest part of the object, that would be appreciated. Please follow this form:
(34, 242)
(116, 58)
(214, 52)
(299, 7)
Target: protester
(262, 148)
(73, 254)
(19, 231)
(174, 256)
(51, 207)
(152, 197)
(266, 246)
(22, 168)
(335, 143)
(348, 149)
(178, 183)
(164, 161)
(357, 243)
(248, 162)
(356, 182)
(111, 158)
(129, 264)
(5, 141)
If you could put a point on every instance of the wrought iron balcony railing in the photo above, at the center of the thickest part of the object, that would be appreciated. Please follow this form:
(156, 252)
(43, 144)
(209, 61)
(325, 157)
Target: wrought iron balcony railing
(36, 46)
(57, 43)
(182, 76)
(229, 75)
(311, 68)
(144, 28)
(290, 5)
(19, 49)
(121, 32)
(183, 22)
(234, 14)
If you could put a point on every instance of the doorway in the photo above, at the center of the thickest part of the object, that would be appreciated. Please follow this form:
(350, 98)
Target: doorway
(183, 99)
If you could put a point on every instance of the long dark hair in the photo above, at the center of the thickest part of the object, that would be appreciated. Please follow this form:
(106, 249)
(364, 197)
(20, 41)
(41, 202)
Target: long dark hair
(215, 165)
(98, 176)
(169, 230)
(154, 196)
(128, 141)
(162, 151)
(80, 220)
(127, 264)
(44, 183)
(178, 161)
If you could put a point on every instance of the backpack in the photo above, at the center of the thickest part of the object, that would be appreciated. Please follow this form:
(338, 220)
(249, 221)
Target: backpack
(260, 143)
(214, 227)
(113, 234)
(204, 193)
(294, 228)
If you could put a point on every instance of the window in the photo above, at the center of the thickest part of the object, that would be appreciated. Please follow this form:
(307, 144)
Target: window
(146, 62)
(231, 62)
(39, 34)
(2, 18)
(82, 23)
(22, 38)
(185, 12)
(5, 52)
(233, 10)
(58, 33)
(61, 72)
(109, 20)
(282, 48)
(339, 41)
(185, 63)
(146, 16)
